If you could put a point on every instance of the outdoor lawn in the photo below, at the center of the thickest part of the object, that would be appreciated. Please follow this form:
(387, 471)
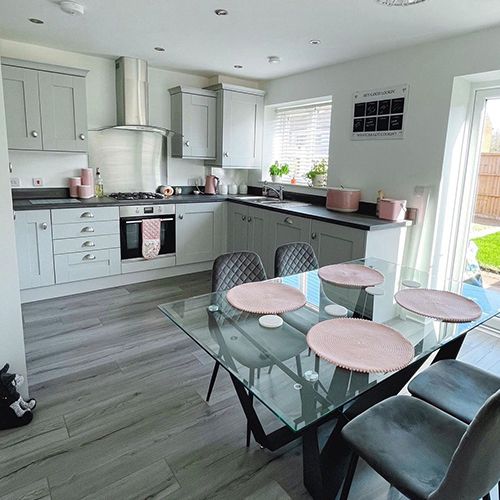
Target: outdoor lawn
(488, 254)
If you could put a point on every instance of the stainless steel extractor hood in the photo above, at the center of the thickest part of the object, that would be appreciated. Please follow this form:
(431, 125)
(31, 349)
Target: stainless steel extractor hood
(132, 98)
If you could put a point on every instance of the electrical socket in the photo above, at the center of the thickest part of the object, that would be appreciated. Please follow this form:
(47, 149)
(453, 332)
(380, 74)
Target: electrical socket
(15, 182)
(37, 181)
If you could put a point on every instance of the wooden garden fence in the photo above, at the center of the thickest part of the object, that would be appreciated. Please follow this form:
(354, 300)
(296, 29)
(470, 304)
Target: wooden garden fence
(488, 192)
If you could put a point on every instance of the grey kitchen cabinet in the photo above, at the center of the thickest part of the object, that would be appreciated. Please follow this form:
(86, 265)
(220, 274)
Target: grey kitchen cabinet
(63, 105)
(198, 232)
(237, 229)
(46, 106)
(334, 243)
(240, 117)
(288, 229)
(34, 248)
(249, 229)
(22, 108)
(194, 116)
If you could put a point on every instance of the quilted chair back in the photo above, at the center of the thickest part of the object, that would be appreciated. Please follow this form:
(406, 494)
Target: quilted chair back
(236, 268)
(294, 258)
(475, 467)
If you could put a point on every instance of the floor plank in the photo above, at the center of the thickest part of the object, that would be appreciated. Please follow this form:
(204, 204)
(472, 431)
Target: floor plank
(122, 413)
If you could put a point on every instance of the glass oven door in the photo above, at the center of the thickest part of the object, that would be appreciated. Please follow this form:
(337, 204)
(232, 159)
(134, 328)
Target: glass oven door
(131, 236)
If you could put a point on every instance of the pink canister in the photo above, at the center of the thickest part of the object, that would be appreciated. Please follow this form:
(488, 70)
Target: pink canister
(85, 191)
(74, 182)
(87, 176)
(390, 209)
(342, 199)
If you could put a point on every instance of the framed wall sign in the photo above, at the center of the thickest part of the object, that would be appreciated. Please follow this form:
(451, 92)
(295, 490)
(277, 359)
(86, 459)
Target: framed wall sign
(379, 114)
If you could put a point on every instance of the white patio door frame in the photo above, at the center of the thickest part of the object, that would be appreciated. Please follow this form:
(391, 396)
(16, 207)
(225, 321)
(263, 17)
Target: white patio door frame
(461, 209)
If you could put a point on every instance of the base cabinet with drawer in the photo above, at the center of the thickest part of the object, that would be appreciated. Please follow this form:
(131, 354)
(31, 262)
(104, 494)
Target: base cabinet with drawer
(34, 248)
(86, 243)
(198, 232)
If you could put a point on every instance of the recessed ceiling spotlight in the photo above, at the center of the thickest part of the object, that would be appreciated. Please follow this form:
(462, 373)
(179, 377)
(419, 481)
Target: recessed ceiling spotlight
(399, 3)
(34, 20)
(314, 42)
(159, 49)
(72, 8)
(274, 59)
(238, 66)
(221, 12)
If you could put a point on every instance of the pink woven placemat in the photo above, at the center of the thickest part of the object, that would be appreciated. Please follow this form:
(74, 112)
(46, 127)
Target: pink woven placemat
(360, 345)
(266, 298)
(438, 304)
(353, 275)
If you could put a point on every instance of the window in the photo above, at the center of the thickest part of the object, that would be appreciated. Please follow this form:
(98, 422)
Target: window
(302, 137)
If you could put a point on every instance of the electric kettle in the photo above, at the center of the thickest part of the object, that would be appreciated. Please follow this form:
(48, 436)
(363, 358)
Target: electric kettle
(211, 184)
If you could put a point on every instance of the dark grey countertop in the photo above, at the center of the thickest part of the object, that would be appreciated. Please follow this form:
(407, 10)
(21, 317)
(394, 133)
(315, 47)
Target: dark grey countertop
(315, 212)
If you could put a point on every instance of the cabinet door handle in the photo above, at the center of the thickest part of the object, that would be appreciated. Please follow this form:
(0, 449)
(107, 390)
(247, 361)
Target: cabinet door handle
(82, 137)
(89, 244)
(87, 229)
(44, 225)
(187, 144)
(226, 154)
(89, 256)
(181, 216)
(249, 219)
(11, 169)
(313, 236)
(87, 215)
(34, 133)
(288, 220)
(243, 217)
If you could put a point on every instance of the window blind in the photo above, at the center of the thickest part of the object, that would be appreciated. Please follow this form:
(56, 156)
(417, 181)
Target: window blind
(302, 137)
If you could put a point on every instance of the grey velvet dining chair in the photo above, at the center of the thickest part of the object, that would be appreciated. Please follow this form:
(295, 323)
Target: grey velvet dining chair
(229, 270)
(425, 453)
(294, 258)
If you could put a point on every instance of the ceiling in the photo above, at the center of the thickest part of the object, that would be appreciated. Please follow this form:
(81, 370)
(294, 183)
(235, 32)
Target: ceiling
(197, 41)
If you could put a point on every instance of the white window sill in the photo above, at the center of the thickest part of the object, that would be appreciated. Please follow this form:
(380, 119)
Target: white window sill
(297, 188)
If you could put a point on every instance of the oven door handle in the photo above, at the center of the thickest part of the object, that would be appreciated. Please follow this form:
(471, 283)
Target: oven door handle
(140, 221)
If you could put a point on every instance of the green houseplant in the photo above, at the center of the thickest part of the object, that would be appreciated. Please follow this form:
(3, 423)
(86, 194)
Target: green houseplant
(317, 175)
(276, 170)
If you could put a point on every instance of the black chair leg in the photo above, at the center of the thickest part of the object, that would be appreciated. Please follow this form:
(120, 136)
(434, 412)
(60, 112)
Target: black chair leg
(349, 477)
(249, 431)
(271, 369)
(212, 380)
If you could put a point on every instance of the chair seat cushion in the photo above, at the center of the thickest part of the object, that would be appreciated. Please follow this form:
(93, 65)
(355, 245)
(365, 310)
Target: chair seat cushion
(455, 387)
(408, 442)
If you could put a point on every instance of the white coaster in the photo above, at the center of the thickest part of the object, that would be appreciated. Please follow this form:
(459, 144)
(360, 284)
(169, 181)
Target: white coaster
(373, 290)
(336, 310)
(411, 284)
(270, 321)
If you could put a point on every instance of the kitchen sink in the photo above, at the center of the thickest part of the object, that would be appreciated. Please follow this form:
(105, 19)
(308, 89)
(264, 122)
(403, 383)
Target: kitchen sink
(284, 203)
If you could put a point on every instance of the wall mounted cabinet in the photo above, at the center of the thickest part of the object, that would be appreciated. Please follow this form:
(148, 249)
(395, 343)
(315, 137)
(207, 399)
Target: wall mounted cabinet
(240, 119)
(46, 106)
(193, 114)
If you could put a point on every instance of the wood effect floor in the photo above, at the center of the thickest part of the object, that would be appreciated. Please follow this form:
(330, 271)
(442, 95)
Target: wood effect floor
(121, 411)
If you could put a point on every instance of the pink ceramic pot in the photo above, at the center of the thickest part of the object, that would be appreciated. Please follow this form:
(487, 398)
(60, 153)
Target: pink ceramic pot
(341, 199)
(85, 191)
(74, 182)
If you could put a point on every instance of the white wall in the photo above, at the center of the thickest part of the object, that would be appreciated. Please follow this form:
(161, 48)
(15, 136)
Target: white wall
(11, 326)
(396, 166)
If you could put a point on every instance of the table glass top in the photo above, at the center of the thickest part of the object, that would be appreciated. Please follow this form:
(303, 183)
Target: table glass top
(272, 363)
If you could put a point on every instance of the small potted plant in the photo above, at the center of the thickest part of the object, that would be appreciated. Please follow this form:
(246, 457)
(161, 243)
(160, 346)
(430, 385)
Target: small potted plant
(317, 175)
(276, 170)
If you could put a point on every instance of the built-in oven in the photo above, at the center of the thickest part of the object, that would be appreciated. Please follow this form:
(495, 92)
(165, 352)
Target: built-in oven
(131, 218)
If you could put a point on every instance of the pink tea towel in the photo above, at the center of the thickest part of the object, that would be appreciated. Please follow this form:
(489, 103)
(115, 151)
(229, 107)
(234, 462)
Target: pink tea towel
(151, 231)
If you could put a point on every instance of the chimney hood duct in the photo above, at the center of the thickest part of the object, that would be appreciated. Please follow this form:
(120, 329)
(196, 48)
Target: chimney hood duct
(132, 98)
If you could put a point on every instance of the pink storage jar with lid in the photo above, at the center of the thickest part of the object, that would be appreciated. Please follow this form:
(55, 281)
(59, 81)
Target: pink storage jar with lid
(341, 199)
(390, 209)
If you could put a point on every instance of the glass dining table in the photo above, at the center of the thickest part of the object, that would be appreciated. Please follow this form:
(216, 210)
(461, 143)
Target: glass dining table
(305, 392)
